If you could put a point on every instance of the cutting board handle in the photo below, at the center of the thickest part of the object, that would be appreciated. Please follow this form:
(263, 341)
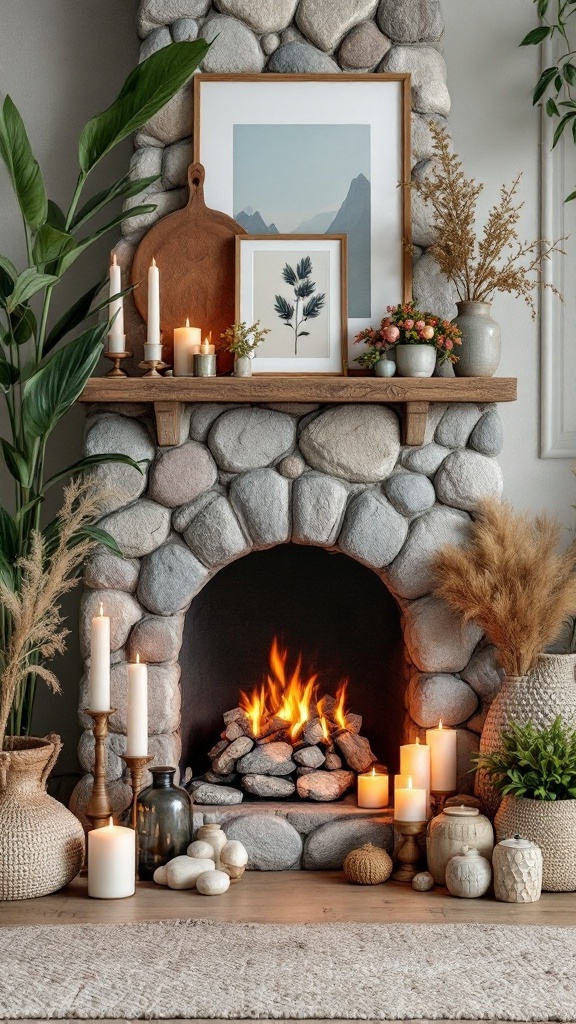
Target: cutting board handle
(196, 176)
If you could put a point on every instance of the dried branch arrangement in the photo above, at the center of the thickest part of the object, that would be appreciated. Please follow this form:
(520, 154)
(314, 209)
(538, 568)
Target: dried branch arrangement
(496, 261)
(512, 581)
(46, 573)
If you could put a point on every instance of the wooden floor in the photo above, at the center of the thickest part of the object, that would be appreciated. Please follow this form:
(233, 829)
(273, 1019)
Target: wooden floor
(286, 897)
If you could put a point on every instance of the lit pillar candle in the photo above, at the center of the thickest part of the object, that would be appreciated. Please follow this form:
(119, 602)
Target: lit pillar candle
(410, 804)
(99, 676)
(373, 789)
(116, 339)
(206, 348)
(153, 347)
(415, 761)
(187, 343)
(442, 743)
(111, 862)
(137, 715)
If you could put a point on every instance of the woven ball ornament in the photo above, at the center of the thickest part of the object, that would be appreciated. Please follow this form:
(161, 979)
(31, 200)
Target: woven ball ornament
(369, 865)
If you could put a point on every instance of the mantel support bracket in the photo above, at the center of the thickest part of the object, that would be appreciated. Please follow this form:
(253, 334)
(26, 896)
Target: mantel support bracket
(414, 418)
(168, 420)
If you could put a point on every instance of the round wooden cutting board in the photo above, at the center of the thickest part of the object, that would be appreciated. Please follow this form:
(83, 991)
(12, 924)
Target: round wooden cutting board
(195, 252)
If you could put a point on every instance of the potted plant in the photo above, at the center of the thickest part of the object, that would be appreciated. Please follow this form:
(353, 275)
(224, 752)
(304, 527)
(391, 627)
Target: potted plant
(498, 261)
(243, 341)
(511, 579)
(535, 771)
(40, 379)
(419, 340)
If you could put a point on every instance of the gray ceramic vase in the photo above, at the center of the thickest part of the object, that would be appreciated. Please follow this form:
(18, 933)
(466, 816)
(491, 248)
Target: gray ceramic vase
(479, 353)
(415, 360)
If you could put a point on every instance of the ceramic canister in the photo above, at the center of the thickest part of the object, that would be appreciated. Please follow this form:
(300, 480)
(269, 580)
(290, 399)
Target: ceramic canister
(449, 831)
(468, 874)
(517, 866)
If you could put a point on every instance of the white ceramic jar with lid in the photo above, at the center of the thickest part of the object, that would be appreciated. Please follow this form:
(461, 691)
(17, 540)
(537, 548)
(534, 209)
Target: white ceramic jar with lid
(517, 866)
(469, 874)
(449, 831)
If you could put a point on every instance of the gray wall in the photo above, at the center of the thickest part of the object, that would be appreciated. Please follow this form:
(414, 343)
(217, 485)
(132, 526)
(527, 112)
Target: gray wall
(62, 61)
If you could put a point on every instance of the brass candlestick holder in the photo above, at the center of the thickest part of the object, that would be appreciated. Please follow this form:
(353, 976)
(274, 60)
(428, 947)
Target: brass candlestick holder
(99, 809)
(152, 365)
(409, 857)
(136, 765)
(438, 798)
(116, 358)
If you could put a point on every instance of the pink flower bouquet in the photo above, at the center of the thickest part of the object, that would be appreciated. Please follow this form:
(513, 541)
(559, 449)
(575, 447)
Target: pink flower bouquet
(406, 325)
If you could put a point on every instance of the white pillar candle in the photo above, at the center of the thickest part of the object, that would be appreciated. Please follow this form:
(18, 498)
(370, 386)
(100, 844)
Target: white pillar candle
(410, 804)
(187, 343)
(415, 761)
(442, 743)
(137, 714)
(206, 348)
(373, 789)
(99, 675)
(116, 338)
(111, 862)
(153, 347)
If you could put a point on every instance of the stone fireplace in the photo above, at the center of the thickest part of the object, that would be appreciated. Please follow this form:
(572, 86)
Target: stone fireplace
(247, 478)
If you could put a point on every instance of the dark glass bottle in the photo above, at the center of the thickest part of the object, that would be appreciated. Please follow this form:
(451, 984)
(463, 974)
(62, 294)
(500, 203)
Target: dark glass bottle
(164, 822)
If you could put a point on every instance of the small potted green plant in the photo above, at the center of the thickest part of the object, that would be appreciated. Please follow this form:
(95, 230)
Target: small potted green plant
(243, 341)
(535, 771)
(418, 339)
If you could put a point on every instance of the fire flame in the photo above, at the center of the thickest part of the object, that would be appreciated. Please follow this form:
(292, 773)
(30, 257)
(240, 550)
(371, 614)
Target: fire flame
(290, 698)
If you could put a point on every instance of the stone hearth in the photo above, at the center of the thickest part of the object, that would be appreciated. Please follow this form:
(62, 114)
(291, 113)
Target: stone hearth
(244, 478)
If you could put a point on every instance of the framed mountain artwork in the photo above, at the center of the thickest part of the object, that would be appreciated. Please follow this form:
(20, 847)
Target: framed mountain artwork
(294, 285)
(316, 154)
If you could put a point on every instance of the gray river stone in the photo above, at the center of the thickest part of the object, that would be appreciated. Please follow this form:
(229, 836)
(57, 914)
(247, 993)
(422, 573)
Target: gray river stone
(297, 58)
(441, 696)
(271, 842)
(427, 70)
(261, 499)
(269, 787)
(431, 288)
(324, 23)
(139, 529)
(436, 638)
(318, 504)
(251, 437)
(181, 474)
(457, 424)
(487, 436)
(411, 574)
(410, 493)
(373, 531)
(363, 47)
(411, 21)
(156, 638)
(264, 17)
(327, 846)
(235, 49)
(106, 571)
(425, 460)
(466, 477)
(208, 793)
(330, 442)
(225, 762)
(169, 578)
(215, 535)
(321, 785)
(157, 40)
(268, 759)
(184, 30)
(172, 122)
(309, 757)
(163, 12)
(175, 161)
(484, 674)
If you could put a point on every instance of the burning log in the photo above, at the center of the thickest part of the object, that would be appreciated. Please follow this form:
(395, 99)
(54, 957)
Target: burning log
(356, 750)
(314, 732)
(225, 762)
(233, 731)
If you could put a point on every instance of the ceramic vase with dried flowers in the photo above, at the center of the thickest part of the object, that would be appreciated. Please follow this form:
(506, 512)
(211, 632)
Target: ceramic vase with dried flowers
(498, 261)
(511, 579)
(243, 341)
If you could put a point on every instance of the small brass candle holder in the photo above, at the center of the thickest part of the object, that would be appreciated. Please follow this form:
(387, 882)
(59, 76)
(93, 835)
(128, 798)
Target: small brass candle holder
(152, 365)
(116, 358)
(438, 798)
(136, 765)
(408, 858)
(99, 809)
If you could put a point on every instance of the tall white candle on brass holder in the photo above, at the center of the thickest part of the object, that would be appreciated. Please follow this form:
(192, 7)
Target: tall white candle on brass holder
(137, 715)
(116, 349)
(410, 811)
(99, 674)
(410, 802)
(153, 346)
(415, 761)
(187, 341)
(111, 862)
(443, 762)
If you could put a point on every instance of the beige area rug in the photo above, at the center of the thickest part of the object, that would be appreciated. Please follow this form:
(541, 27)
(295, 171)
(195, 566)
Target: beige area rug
(202, 969)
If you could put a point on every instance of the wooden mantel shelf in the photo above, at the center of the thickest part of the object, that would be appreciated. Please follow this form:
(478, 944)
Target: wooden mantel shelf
(413, 395)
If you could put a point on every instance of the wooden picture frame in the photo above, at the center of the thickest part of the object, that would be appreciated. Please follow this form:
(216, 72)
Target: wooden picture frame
(319, 153)
(270, 272)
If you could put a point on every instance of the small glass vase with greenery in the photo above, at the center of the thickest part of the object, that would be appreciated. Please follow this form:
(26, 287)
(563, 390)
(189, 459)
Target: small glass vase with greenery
(42, 373)
(534, 764)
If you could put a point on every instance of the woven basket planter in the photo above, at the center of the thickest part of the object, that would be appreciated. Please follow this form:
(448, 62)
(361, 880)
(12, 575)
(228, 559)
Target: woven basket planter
(551, 824)
(547, 691)
(41, 842)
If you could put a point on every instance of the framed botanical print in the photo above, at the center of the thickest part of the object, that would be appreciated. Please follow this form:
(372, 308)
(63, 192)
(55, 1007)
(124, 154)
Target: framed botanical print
(316, 154)
(295, 287)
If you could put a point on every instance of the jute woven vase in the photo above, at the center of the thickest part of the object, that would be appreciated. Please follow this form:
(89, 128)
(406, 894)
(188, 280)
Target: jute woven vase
(547, 691)
(551, 824)
(41, 842)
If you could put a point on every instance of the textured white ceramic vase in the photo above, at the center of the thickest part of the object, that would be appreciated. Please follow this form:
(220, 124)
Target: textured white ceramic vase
(517, 868)
(450, 831)
(415, 360)
(468, 875)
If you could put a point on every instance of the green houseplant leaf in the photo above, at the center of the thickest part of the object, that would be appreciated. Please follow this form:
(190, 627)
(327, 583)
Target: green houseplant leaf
(51, 243)
(23, 168)
(50, 392)
(73, 317)
(27, 284)
(147, 88)
(125, 188)
(88, 462)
